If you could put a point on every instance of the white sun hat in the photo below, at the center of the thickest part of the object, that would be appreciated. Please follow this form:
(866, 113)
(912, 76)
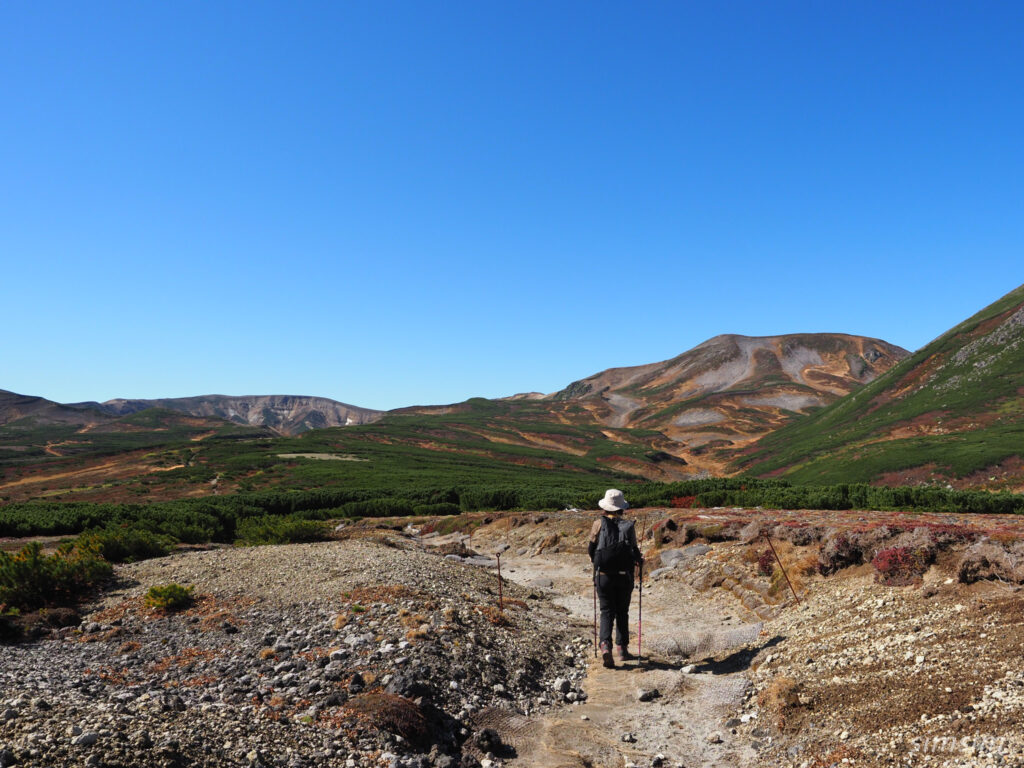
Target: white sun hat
(613, 501)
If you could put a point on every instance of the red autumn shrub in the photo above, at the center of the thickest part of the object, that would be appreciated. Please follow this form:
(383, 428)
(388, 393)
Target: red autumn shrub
(766, 563)
(684, 502)
(900, 566)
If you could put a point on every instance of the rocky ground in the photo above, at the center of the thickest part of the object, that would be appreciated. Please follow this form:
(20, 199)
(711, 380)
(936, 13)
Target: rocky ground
(387, 648)
(347, 653)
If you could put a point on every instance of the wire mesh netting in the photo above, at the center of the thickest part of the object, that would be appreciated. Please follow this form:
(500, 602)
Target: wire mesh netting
(698, 645)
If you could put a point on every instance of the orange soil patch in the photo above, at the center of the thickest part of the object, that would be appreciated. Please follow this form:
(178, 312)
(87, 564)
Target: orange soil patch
(925, 474)
(935, 423)
(95, 473)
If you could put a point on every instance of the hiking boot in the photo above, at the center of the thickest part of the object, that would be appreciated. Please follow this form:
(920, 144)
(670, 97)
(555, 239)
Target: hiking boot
(606, 656)
(623, 653)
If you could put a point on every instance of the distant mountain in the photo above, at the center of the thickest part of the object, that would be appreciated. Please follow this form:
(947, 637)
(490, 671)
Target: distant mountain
(681, 418)
(953, 412)
(722, 395)
(285, 414)
(14, 407)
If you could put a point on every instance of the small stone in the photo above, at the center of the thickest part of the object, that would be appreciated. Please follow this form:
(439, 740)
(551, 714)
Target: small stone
(648, 694)
(7, 758)
(8, 714)
(561, 685)
(844, 735)
(487, 740)
(86, 739)
(629, 738)
(714, 738)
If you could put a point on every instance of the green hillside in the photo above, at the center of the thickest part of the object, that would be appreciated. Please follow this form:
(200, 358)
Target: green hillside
(31, 439)
(480, 443)
(953, 409)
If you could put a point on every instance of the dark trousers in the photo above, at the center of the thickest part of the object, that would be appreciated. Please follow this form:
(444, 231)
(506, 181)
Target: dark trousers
(614, 592)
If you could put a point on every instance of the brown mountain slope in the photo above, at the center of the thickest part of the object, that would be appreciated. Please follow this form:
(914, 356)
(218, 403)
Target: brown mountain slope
(285, 414)
(14, 407)
(720, 396)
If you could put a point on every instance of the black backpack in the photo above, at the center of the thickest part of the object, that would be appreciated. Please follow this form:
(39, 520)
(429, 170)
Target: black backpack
(614, 550)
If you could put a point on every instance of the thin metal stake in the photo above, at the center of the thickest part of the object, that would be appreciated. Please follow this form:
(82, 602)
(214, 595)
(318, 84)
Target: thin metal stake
(779, 561)
(501, 596)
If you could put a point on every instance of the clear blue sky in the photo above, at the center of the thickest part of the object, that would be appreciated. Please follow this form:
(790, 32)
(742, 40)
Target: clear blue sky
(395, 203)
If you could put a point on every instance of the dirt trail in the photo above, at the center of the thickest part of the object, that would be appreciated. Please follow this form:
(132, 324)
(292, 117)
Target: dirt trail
(691, 707)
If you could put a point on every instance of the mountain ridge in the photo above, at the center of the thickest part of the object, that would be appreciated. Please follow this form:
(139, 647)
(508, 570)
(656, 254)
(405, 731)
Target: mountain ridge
(285, 414)
(729, 390)
(949, 413)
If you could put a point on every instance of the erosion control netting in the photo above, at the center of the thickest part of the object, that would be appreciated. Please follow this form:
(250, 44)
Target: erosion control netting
(699, 645)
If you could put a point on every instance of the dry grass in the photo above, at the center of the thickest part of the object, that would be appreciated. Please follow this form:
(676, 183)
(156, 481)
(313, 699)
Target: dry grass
(418, 633)
(494, 615)
(781, 698)
(799, 564)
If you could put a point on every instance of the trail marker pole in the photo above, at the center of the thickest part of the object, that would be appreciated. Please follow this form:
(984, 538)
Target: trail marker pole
(501, 595)
(781, 568)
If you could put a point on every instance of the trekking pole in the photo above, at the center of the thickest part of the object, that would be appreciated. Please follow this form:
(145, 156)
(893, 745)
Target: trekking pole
(640, 621)
(768, 539)
(595, 613)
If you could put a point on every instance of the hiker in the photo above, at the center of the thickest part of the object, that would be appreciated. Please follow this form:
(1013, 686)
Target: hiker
(615, 555)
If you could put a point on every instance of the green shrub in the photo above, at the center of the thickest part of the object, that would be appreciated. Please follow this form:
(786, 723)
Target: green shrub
(432, 510)
(31, 580)
(9, 629)
(126, 545)
(170, 597)
(280, 530)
